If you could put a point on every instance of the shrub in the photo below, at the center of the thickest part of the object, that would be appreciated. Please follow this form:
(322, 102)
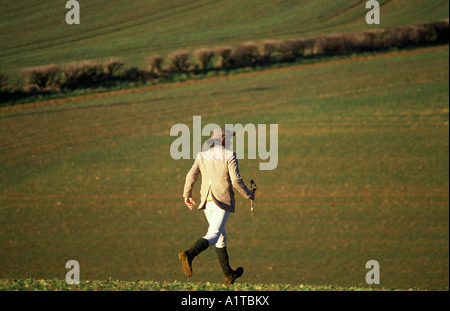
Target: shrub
(285, 51)
(418, 35)
(224, 53)
(336, 44)
(204, 57)
(179, 61)
(433, 33)
(292, 49)
(440, 29)
(154, 63)
(113, 67)
(428, 33)
(299, 46)
(31, 89)
(309, 46)
(82, 74)
(132, 74)
(3, 80)
(245, 54)
(43, 77)
(371, 40)
(136, 74)
(268, 50)
(90, 73)
(399, 36)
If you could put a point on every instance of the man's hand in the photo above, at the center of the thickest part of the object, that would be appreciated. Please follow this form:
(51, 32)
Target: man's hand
(189, 202)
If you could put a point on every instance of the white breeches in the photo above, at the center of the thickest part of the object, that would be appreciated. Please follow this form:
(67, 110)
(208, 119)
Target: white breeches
(217, 219)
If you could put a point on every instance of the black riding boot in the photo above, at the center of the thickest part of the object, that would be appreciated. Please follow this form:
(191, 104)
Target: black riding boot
(199, 246)
(187, 256)
(230, 274)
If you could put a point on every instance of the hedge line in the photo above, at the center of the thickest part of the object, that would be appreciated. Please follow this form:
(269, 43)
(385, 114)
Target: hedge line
(54, 78)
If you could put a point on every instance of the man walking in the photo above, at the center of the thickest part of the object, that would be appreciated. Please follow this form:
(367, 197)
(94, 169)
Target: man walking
(220, 173)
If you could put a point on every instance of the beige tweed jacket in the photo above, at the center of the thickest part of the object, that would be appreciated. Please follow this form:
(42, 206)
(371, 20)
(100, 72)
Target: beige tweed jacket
(220, 173)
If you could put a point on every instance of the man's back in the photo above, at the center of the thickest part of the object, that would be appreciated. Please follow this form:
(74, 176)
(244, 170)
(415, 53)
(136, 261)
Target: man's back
(220, 172)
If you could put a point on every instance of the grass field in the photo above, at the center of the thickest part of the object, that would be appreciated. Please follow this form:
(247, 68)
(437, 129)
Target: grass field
(35, 33)
(362, 174)
(363, 152)
(115, 285)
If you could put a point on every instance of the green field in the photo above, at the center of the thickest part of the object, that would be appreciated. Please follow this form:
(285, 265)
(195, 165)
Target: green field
(115, 285)
(362, 174)
(35, 33)
(363, 152)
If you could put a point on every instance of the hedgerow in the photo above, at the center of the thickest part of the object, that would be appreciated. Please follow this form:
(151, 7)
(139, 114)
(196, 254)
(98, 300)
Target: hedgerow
(76, 75)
